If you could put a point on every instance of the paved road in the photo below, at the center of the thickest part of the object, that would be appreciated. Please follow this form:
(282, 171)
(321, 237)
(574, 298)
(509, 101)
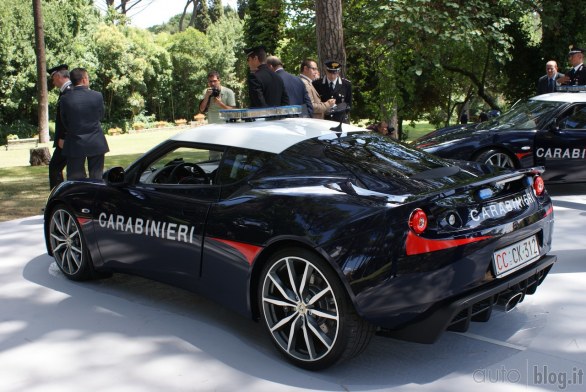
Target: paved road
(129, 334)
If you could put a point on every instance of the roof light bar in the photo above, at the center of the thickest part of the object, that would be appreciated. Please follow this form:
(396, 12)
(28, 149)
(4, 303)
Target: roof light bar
(571, 89)
(254, 113)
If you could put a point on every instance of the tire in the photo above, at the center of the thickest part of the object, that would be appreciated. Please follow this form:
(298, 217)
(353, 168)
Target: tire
(318, 328)
(497, 158)
(68, 246)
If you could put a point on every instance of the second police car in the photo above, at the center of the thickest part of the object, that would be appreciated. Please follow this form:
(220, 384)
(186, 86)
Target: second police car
(547, 130)
(323, 232)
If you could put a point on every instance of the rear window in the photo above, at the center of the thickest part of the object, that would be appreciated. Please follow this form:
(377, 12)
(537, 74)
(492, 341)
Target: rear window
(379, 163)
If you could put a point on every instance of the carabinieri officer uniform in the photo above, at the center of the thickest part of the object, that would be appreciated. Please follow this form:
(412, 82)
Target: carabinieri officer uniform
(576, 74)
(334, 86)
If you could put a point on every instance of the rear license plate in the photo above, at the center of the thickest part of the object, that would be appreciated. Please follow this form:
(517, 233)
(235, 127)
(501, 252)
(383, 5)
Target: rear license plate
(513, 257)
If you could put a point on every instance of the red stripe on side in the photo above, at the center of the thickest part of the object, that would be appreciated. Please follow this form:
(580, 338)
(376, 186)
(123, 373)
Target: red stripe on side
(521, 155)
(248, 251)
(416, 245)
(83, 221)
(549, 211)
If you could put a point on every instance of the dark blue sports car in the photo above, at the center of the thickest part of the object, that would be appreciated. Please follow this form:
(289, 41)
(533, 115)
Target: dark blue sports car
(547, 130)
(326, 234)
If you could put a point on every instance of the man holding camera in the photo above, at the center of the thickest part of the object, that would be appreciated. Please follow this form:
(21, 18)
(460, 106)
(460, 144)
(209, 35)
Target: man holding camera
(216, 98)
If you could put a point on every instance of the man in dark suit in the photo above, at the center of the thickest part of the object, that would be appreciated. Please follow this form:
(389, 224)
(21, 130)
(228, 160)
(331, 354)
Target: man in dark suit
(293, 85)
(547, 83)
(82, 110)
(576, 76)
(334, 86)
(265, 88)
(60, 78)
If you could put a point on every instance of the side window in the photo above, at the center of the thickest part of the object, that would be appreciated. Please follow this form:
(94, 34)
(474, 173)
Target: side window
(183, 166)
(240, 163)
(575, 118)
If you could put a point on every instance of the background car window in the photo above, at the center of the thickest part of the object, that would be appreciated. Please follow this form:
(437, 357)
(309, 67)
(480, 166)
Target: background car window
(576, 119)
(239, 164)
(183, 165)
(526, 115)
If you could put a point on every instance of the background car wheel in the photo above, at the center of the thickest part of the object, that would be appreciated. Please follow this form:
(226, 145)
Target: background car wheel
(307, 311)
(497, 158)
(68, 246)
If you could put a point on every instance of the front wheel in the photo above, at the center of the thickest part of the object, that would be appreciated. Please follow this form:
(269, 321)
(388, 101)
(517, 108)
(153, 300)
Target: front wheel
(496, 158)
(68, 246)
(307, 311)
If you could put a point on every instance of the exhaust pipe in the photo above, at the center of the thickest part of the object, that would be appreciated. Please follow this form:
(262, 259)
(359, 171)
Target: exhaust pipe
(508, 301)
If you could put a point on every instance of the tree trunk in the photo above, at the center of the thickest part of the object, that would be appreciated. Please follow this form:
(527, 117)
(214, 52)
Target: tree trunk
(330, 33)
(39, 156)
(43, 108)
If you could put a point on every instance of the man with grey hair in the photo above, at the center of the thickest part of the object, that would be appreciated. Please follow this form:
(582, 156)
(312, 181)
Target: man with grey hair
(60, 78)
(293, 85)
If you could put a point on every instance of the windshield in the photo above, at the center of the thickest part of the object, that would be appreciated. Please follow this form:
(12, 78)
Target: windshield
(526, 115)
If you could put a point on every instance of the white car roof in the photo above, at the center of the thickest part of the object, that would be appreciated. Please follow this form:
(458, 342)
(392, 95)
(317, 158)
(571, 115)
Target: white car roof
(272, 136)
(562, 97)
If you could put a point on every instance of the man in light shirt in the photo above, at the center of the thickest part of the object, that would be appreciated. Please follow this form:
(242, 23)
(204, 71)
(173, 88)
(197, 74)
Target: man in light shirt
(216, 98)
(309, 73)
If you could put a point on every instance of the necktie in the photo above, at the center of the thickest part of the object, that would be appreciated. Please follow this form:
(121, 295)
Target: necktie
(331, 86)
(551, 86)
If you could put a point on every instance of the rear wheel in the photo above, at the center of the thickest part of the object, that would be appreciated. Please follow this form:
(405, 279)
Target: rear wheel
(68, 246)
(497, 158)
(307, 311)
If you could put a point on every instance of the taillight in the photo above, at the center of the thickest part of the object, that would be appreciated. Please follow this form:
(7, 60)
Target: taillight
(418, 221)
(538, 185)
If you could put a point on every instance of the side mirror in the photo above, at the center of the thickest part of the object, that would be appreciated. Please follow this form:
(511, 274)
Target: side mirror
(114, 176)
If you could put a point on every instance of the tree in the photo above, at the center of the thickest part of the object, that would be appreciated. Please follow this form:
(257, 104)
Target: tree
(397, 63)
(199, 13)
(190, 55)
(300, 33)
(43, 109)
(216, 10)
(123, 6)
(18, 69)
(560, 21)
(330, 33)
(264, 23)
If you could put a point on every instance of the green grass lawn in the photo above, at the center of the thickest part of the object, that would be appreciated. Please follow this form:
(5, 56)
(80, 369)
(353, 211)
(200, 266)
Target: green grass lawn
(419, 129)
(24, 189)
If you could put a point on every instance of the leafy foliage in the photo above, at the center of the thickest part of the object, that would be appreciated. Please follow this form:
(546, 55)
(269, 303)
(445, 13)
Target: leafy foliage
(264, 23)
(406, 59)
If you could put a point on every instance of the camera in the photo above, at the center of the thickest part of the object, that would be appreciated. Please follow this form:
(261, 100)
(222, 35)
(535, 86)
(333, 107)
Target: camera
(215, 92)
